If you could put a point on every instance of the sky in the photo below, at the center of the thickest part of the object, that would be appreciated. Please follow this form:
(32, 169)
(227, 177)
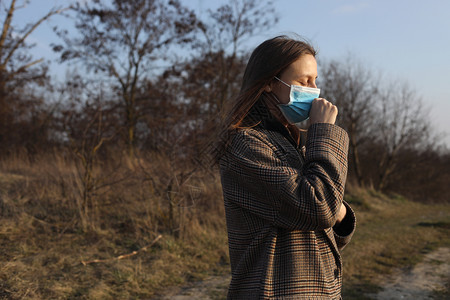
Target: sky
(406, 40)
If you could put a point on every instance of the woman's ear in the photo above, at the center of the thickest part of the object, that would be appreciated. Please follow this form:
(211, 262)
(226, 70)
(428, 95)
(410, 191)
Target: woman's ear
(268, 88)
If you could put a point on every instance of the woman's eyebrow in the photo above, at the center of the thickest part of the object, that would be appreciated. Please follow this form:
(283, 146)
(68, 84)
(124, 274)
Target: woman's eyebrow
(307, 75)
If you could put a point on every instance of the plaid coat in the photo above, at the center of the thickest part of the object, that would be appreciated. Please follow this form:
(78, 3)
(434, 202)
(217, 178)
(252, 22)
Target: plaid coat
(281, 202)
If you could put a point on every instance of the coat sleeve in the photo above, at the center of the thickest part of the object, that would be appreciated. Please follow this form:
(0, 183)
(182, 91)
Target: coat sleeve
(344, 231)
(255, 178)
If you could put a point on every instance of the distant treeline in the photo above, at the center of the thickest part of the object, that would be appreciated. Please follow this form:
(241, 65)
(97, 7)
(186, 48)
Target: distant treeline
(151, 76)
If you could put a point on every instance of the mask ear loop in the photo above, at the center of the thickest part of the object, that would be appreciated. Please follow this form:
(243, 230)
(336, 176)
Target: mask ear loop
(272, 95)
(275, 97)
(288, 85)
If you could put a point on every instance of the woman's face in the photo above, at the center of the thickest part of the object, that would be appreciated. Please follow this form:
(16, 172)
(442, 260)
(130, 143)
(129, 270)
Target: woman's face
(301, 72)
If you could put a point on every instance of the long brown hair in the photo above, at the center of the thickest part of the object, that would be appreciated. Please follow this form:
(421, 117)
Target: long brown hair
(268, 60)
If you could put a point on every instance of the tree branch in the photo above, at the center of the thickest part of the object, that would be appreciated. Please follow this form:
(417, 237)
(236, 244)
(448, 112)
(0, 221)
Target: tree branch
(85, 263)
(7, 24)
(22, 39)
(24, 67)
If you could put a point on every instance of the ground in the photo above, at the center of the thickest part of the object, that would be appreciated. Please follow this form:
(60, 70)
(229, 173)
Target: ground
(212, 288)
(428, 279)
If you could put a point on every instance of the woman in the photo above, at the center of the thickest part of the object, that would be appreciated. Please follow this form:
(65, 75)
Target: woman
(283, 190)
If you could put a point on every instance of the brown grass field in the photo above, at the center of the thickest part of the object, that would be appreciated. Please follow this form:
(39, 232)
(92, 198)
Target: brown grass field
(71, 231)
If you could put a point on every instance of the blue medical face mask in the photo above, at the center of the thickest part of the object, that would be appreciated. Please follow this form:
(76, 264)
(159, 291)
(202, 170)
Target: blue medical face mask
(301, 98)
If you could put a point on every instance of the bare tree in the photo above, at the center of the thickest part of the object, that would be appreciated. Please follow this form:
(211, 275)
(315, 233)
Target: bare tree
(384, 122)
(353, 88)
(221, 54)
(403, 122)
(20, 111)
(212, 76)
(123, 39)
(15, 63)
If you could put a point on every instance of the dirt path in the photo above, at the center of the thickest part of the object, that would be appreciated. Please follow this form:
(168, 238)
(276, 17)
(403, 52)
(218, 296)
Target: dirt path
(212, 288)
(422, 281)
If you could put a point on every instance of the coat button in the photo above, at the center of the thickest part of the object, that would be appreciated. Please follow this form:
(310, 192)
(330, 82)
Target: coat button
(336, 273)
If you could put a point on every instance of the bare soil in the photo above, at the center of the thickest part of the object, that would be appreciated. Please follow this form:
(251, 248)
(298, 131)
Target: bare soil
(212, 288)
(428, 279)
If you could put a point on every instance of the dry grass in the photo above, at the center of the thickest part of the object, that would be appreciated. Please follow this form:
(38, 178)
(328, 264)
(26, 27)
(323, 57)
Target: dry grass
(45, 233)
(46, 230)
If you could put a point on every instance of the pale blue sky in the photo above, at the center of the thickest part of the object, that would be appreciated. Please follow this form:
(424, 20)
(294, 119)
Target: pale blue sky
(407, 40)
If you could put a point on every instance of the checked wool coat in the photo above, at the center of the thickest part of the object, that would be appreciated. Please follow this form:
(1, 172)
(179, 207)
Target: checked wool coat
(281, 202)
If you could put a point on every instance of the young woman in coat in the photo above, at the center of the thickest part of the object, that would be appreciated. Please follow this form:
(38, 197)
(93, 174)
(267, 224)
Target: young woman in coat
(283, 190)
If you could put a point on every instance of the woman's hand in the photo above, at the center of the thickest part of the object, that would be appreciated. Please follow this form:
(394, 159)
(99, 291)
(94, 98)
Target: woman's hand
(322, 111)
(341, 214)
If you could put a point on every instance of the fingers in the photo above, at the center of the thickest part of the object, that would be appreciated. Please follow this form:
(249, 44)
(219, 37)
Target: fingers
(341, 214)
(323, 111)
(325, 104)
